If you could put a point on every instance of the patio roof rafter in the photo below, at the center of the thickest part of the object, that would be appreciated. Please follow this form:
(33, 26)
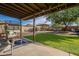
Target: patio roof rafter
(21, 8)
(27, 7)
(7, 11)
(43, 11)
(12, 8)
(25, 11)
(36, 7)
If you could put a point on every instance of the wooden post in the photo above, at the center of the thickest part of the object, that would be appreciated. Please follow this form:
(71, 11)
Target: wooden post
(21, 30)
(12, 44)
(6, 31)
(33, 29)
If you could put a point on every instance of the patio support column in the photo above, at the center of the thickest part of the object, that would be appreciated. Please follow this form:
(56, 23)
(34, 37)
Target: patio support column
(33, 29)
(6, 31)
(12, 44)
(21, 30)
(13, 28)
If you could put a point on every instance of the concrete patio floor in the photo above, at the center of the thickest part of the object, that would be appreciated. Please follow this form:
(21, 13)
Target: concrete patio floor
(34, 49)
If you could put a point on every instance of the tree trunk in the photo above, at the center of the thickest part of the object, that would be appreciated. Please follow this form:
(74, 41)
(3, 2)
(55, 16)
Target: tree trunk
(65, 28)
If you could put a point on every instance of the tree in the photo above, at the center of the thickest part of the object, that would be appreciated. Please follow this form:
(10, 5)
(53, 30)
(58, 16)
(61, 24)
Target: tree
(64, 17)
(77, 21)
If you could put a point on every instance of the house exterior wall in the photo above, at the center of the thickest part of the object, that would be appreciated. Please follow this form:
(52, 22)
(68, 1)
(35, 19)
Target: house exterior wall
(15, 28)
(2, 29)
(26, 29)
(42, 27)
(72, 28)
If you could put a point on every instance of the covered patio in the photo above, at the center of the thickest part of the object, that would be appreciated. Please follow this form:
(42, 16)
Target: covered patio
(27, 11)
(35, 49)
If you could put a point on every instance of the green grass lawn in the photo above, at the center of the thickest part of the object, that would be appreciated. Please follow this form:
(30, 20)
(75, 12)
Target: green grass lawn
(65, 43)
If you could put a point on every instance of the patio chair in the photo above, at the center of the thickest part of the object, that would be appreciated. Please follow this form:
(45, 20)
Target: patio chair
(3, 43)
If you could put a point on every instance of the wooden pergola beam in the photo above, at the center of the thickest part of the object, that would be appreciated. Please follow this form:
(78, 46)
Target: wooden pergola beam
(42, 12)
(21, 8)
(10, 13)
(27, 11)
(52, 9)
(8, 10)
(46, 5)
(14, 9)
(37, 7)
(27, 7)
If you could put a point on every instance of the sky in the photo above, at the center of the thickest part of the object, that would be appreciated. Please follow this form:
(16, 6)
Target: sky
(4, 18)
(38, 20)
